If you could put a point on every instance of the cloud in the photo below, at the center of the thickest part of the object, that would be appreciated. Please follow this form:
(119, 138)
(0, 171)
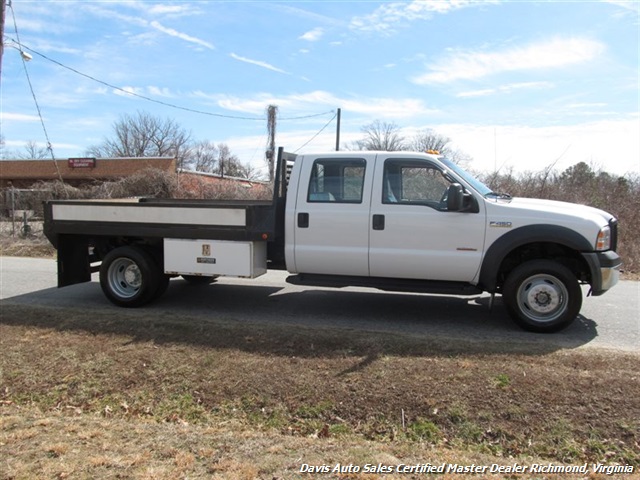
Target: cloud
(306, 14)
(505, 89)
(124, 91)
(626, 4)
(371, 107)
(183, 36)
(160, 92)
(19, 117)
(313, 35)
(172, 10)
(471, 65)
(388, 16)
(614, 144)
(259, 63)
(143, 23)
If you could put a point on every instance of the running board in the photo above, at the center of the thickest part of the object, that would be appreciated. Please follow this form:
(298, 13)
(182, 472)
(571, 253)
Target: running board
(386, 284)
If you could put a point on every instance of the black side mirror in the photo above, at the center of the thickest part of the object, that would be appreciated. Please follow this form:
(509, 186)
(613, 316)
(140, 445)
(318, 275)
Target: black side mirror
(455, 197)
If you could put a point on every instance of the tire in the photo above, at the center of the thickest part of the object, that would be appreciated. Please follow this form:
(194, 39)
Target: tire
(130, 277)
(199, 279)
(542, 296)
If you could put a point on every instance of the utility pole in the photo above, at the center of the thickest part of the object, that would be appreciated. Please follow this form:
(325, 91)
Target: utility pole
(338, 130)
(272, 111)
(3, 10)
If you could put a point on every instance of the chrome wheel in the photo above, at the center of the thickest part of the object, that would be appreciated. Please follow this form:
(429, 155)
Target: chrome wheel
(125, 277)
(131, 277)
(542, 295)
(543, 298)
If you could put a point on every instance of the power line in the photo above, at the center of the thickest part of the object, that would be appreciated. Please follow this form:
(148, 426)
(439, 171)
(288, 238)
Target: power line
(35, 99)
(319, 132)
(160, 102)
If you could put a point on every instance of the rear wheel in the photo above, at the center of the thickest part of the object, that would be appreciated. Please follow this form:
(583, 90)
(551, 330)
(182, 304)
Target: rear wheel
(542, 296)
(129, 276)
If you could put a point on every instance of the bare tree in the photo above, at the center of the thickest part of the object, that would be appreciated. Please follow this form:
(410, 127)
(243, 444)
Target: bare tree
(143, 135)
(231, 166)
(381, 136)
(33, 152)
(429, 139)
(205, 156)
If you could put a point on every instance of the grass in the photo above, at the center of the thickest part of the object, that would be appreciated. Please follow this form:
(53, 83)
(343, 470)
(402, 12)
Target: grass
(112, 395)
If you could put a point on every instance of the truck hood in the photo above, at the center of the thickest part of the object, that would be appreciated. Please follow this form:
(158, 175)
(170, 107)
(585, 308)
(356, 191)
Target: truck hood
(533, 207)
(504, 215)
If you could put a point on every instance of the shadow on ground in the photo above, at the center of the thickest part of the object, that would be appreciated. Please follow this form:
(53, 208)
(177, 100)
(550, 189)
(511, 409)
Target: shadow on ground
(304, 323)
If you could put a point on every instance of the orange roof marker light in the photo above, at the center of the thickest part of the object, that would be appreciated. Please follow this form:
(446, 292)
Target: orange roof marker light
(433, 152)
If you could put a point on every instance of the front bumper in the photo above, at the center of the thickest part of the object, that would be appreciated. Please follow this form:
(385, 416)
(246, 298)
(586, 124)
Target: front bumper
(605, 270)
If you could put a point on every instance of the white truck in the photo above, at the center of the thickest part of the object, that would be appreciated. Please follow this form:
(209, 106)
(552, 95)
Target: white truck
(396, 221)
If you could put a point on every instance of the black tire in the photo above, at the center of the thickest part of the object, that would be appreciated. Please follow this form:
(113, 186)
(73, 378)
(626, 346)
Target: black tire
(130, 277)
(542, 296)
(199, 279)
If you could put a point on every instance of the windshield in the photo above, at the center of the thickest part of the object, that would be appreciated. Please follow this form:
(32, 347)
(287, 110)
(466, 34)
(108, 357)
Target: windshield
(477, 185)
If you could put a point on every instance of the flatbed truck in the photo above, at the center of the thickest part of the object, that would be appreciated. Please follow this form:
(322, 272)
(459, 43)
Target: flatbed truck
(397, 221)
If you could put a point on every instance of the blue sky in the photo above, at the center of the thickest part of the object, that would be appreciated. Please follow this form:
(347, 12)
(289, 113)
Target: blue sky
(514, 84)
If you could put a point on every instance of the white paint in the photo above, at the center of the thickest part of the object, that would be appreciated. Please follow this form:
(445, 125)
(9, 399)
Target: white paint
(140, 213)
(215, 257)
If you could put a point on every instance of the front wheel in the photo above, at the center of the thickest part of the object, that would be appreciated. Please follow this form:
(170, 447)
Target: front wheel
(129, 276)
(542, 296)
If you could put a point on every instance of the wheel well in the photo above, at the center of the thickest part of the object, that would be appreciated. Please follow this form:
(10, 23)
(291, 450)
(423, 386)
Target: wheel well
(543, 251)
(103, 245)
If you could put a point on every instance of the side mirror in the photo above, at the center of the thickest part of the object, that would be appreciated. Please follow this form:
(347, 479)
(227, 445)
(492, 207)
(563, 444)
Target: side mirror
(455, 197)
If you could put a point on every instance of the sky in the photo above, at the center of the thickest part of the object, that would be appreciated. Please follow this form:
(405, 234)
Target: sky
(514, 84)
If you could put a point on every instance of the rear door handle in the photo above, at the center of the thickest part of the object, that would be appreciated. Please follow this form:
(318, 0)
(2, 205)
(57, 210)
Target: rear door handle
(377, 222)
(303, 220)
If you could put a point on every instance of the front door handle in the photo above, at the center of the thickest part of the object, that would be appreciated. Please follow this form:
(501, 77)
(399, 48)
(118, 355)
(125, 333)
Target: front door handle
(303, 220)
(377, 222)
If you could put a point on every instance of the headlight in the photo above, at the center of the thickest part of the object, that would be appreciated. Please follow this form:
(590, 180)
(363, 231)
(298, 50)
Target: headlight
(603, 242)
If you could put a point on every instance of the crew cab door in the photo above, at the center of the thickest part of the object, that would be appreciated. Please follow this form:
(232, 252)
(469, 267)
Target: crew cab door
(331, 221)
(413, 235)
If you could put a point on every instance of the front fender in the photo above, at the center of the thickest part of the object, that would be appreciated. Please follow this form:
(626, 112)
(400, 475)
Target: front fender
(529, 234)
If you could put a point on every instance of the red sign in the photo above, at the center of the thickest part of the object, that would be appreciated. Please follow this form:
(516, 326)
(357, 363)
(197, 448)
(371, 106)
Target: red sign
(82, 163)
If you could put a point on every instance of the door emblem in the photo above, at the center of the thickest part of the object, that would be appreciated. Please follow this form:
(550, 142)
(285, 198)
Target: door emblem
(500, 224)
(206, 250)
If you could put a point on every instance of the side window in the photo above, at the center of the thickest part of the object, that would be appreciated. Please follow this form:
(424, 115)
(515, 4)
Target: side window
(414, 182)
(337, 181)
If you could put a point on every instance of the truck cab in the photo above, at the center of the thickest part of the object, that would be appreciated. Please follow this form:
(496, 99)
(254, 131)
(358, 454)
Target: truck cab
(417, 221)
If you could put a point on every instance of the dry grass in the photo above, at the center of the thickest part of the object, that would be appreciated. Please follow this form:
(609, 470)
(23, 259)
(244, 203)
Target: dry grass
(109, 395)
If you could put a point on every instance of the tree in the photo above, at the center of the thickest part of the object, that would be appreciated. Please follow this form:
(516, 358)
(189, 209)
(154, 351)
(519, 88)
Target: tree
(429, 139)
(386, 136)
(205, 156)
(580, 175)
(143, 135)
(381, 136)
(33, 152)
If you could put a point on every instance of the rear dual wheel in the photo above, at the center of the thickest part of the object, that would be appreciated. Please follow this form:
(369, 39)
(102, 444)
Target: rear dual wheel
(131, 277)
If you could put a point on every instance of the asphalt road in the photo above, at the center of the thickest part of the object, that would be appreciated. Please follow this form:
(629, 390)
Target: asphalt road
(611, 321)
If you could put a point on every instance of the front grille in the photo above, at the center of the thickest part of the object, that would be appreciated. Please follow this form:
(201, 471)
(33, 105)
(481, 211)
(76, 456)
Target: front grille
(613, 225)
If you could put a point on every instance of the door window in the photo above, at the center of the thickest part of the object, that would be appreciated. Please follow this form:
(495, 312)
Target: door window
(412, 182)
(336, 181)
